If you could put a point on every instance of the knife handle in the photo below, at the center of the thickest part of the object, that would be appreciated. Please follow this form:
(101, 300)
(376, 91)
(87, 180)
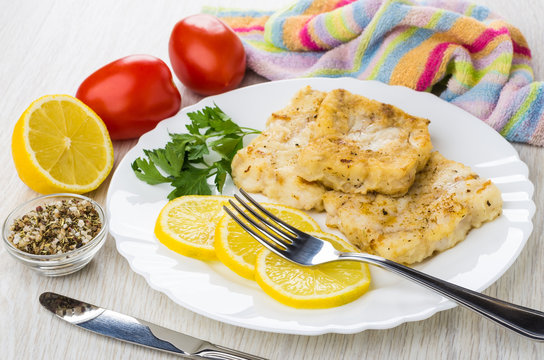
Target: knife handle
(217, 352)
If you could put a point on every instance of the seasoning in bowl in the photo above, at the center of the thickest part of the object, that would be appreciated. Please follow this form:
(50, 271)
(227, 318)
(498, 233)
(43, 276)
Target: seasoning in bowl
(56, 234)
(56, 227)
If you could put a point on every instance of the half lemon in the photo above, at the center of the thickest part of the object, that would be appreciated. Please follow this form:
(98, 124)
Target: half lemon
(60, 145)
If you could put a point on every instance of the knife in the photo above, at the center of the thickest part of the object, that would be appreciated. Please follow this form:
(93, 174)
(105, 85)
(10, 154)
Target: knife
(127, 328)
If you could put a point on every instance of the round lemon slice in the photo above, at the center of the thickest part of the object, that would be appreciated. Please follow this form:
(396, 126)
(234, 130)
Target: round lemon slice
(187, 225)
(238, 250)
(60, 145)
(316, 287)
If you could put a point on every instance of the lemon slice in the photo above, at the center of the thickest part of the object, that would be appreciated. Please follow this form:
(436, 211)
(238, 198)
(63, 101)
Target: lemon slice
(187, 224)
(238, 250)
(60, 145)
(316, 287)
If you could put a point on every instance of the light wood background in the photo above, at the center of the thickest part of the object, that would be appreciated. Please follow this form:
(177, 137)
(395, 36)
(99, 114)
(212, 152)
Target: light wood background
(49, 47)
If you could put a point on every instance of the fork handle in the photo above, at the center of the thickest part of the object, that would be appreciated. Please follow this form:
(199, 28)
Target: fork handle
(525, 321)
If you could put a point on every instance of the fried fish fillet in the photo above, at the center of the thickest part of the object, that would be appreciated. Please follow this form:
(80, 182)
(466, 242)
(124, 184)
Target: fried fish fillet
(446, 200)
(269, 164)
(359, 145)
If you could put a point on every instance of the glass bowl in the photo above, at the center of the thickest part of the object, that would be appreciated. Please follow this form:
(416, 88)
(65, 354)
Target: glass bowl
(56, 264)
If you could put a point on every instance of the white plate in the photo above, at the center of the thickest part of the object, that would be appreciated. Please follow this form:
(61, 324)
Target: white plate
(212, 290)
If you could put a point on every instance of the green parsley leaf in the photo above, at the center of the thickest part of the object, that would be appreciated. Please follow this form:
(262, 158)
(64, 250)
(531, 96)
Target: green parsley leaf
(222, 169)
(170, 159)
(210, 129)
(197, 151)
(191, 181)
(228, 146)
(182, 138)
(199, 119)
(221, 122)
(193, 129)
(146, 171)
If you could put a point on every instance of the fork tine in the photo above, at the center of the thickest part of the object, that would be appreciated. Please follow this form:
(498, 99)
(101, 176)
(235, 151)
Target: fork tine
(269, 214)
(281, 233)
(277, 239)
(256, 235)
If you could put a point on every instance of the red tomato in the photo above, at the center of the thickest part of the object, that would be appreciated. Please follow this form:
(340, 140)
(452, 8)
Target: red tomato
(131, 95)
(206, 55)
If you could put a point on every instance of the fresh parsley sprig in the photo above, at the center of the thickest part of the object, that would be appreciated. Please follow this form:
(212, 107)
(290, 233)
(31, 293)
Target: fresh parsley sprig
(184, 161)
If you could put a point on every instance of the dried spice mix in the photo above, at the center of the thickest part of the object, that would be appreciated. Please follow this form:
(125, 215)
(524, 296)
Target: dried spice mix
(56, 228)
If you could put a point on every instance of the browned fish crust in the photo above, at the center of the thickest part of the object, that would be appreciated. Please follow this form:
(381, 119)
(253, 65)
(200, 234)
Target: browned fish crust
(359, 145)
(446, 200)
(269, 164)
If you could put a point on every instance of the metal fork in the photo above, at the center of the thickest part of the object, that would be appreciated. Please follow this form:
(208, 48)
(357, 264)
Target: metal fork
(306, 250)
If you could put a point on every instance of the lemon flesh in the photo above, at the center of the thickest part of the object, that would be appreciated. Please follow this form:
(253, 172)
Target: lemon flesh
(316, 287)
(59, 144)
(187, 225)
(238, 250)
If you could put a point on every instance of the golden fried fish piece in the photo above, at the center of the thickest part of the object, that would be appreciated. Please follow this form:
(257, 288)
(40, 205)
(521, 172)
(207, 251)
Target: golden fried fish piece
(446, 200)
(269, 164)
(359, 145)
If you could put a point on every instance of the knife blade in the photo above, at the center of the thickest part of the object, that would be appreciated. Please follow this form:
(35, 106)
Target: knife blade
(127, 328)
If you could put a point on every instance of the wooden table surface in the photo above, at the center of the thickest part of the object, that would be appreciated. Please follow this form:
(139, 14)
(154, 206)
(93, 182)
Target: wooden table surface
(49, 47)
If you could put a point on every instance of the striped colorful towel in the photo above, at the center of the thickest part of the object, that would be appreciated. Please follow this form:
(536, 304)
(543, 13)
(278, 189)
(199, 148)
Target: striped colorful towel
(460, 51)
